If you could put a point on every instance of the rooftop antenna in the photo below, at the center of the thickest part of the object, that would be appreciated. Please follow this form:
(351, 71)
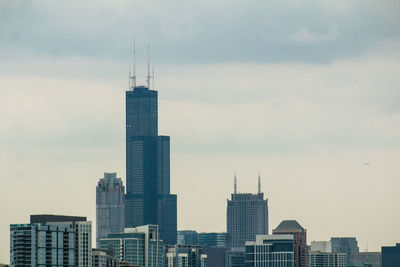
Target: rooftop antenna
(148, 66)
(235, 183)
(129, 79)
(132, 76)
(259, 182)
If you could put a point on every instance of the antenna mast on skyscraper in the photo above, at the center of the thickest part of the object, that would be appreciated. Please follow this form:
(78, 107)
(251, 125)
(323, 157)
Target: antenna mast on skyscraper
(153, 77)
(235, 184)
(132, 76)
(148, 66)
(259, 182)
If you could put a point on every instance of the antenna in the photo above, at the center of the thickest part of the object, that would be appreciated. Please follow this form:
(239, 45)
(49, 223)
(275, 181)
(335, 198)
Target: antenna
(148, 66)
(129, 79)
(259, 182)
(132, 76)
(235, 184)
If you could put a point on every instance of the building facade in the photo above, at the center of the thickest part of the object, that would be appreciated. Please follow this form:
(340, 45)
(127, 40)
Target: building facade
(371, 259)
(83, 234)
(148, 199)
(246, 217)
(42, 245)
(187, 237)
(102, 258)
(321, 246)
(139, 246)
(327, 259)
(348, 245)
(110, 206)
(185, 256)
(212, 239)
(391, 256)
(270, 251)
(236, 257)
(292, 227)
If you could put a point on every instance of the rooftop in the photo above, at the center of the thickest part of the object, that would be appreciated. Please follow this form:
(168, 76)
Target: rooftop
(288, 226)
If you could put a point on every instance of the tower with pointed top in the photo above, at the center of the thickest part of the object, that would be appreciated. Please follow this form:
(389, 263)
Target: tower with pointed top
(246, 216)
(148, 199)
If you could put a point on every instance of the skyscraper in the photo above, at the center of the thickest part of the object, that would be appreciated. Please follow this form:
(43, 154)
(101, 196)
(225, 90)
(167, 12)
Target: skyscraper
(247, 216)
(292, 227)
(391, 256)
(110, 206)
(148, 199)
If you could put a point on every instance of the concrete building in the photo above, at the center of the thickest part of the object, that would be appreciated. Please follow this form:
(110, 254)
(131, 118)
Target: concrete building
(139, 246)
(327, 259)
(148, 199)
(292, 227)
(247, 216)
(42, 245)
(370, 259)
(270, 251)
(83, 234)
(216, 256)
(110, 206)
(348, 245)
(321, 246)
(391, 256)
(185, 256)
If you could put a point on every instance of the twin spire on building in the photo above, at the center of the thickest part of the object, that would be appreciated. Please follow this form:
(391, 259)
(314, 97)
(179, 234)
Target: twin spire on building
(132, 73)
(235, 183)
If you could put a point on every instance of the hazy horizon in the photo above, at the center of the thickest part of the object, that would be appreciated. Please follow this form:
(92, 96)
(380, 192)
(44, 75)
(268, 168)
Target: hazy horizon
(307, 93)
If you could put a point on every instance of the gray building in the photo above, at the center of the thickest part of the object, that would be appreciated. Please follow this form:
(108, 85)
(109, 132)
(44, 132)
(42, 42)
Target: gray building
(348, 245)
(139, 246)
(370, 259)
(247, 216)
(52, 240)
(185, 256)
(271, 251)
(42, 245)
(110, 206)
(148, 199)
(321, 246)
(236, 257)
(83, 234)
(327, 259)
(102, 258)
(212, 239)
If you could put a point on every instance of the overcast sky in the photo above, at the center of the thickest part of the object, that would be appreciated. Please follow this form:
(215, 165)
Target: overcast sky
(307, 92)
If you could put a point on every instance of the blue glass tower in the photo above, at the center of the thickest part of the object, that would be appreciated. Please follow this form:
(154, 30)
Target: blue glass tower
(148, 199)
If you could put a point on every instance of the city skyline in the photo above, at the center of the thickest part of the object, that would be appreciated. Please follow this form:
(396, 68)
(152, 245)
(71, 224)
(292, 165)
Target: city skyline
(311, 101)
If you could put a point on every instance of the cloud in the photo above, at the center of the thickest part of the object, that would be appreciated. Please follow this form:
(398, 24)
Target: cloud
(304, 35)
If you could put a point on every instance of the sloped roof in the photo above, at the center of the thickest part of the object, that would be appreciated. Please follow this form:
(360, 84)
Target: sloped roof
(288, 226)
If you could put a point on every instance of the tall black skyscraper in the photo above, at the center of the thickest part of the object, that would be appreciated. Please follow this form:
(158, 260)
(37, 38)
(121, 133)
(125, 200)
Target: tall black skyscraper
(148, 199)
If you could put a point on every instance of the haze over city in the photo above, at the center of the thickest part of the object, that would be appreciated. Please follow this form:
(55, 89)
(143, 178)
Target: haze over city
(305, 92)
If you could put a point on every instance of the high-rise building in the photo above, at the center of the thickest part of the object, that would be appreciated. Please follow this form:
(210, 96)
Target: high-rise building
(187, 237)
(372, 259)
(348, 245)
(391, 256)
(139, 246)
(212, 239)
(271, 251)
(110, 206)
(321, 246)
(185, 256)
(148, 199)
(236, 257)
(83, 234)
(247, 216)
(42, 245)
(102, 258)
(292, 227)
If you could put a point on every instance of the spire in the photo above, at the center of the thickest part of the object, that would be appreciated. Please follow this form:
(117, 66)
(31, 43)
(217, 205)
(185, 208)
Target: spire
(152, 76)
(259, 182)
(235, 184)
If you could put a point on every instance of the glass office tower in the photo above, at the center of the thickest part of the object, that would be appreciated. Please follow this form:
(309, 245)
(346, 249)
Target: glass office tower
(148, 199)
